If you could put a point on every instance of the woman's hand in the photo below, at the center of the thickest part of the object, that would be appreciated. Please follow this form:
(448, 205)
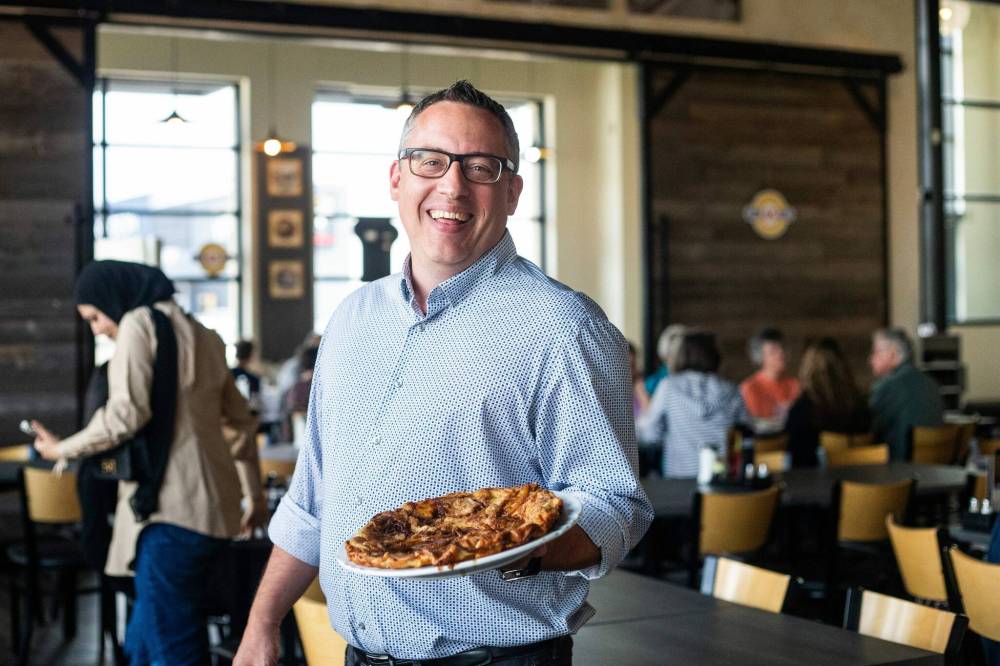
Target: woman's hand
(46, 443)
(255, 516)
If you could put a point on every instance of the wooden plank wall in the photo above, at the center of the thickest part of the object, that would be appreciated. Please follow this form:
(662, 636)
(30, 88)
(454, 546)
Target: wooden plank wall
(43, 163)
(723, 137)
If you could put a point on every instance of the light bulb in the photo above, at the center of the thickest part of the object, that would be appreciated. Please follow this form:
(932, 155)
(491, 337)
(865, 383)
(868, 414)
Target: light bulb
(272, 147)
(532, 154)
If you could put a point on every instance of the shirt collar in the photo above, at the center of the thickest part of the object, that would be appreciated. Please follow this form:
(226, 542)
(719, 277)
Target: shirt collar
(457, 287)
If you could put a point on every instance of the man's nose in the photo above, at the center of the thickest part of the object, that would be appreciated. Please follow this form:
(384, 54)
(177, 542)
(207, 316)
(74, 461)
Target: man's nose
(453, 181)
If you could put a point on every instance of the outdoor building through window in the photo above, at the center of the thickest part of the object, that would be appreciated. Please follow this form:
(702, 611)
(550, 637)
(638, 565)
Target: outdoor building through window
(167, 193)
(354, 142)
(970, 88)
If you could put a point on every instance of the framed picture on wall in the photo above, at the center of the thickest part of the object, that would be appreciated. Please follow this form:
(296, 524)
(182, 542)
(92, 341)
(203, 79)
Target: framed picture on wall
(284, 177)
(285, 228)
(286, 279)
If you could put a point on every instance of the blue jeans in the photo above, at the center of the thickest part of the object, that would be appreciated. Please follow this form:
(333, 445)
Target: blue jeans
(167, 626)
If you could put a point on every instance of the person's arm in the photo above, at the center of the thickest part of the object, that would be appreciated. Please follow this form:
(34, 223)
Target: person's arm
(285, 580)
(651, 423)
(240, 429)
(585, 435)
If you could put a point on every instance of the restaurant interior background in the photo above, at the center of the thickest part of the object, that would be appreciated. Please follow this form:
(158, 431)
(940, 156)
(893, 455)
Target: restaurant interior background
(601, 185)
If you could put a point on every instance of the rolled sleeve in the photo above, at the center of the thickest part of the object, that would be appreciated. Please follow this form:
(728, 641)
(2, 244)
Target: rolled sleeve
(296, 531)
(586, 439)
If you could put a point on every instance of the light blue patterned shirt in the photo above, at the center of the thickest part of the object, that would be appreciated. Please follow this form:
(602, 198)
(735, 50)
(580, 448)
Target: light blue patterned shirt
(510, 377)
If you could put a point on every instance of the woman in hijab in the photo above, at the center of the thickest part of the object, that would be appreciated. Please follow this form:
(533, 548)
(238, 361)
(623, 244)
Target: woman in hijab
(171, 393)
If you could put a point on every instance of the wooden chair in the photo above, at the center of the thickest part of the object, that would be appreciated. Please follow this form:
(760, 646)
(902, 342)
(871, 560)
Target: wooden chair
(859, 455)
(920, 555)
(979, 588)
(321, 645)
(935, 445)
(744, 584)
(989, 447)
(835, 441)
(15, 453)
(276, 471)
(48, 502)
(730, 523)
(858, 512)
(776, 461)
(900, 621)
(769, 443)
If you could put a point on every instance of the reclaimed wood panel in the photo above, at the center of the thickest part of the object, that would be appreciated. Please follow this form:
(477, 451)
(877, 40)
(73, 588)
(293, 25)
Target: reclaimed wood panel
(43, 170)
(726, 135)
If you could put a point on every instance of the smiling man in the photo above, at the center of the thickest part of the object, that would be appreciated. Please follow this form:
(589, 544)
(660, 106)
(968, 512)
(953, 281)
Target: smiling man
(470, 369)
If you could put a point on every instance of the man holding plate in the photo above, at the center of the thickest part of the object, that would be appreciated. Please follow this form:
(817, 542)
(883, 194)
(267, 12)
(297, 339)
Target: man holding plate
(469, 370)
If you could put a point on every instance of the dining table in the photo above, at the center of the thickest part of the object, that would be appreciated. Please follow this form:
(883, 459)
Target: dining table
(641, 620)
(813, 486)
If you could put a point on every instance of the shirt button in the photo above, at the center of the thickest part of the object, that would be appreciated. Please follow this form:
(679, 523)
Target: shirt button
(421, 327)
(399, 383)
(361, 626)
(361, 500)
(375, 441)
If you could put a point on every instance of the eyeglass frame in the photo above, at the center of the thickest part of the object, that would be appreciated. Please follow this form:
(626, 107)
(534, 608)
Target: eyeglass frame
(406, 153)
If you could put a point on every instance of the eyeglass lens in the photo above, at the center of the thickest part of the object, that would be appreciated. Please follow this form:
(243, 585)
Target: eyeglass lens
(477, 168)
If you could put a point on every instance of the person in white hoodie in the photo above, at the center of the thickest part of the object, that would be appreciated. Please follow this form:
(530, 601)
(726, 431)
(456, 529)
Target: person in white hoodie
(692, 407)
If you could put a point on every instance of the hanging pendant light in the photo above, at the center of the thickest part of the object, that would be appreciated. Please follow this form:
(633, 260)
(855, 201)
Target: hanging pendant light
(273, 145)
(405, 104)
(174, 118)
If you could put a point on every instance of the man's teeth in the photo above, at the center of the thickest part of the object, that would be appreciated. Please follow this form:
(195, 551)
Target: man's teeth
(448, 215)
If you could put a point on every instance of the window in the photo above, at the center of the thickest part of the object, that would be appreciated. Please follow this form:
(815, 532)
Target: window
(164, 191)
(354, 142)
(970, 88)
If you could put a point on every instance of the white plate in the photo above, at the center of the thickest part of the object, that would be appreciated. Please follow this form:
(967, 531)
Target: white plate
(570, 513)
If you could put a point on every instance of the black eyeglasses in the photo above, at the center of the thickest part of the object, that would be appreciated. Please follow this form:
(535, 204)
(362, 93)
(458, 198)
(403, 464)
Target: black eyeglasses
(476, 167)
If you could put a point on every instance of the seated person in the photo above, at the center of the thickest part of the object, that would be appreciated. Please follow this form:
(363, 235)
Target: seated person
(902, 396)
(769, 392)
(830, 400)
(692, 407)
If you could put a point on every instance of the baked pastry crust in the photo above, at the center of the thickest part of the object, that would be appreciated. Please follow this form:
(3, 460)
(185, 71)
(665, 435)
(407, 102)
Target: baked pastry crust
(461, 526)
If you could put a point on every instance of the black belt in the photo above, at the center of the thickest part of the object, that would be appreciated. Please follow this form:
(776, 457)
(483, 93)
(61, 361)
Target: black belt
(480, 656)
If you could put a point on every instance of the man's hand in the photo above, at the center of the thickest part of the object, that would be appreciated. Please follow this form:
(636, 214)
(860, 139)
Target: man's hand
(259, 646)
(46, 443)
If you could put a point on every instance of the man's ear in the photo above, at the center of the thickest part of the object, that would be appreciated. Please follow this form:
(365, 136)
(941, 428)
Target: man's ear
(394, 180)
(514, 193)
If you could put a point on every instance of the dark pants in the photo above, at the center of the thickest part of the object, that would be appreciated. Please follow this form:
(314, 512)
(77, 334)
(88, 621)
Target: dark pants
(560, 654)
(992, 648)
(167, 627)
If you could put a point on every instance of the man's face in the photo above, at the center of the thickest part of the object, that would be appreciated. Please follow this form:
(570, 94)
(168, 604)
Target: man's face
(772, 355)
(450, 221)
(884, 358)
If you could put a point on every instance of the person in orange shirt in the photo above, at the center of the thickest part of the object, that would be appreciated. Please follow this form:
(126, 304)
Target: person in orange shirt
(769, 392)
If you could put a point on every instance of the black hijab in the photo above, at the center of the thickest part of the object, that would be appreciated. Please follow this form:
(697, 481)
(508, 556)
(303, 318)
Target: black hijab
(115, 287)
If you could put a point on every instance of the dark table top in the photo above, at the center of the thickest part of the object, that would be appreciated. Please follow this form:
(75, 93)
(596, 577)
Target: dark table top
(805, 487)
(641, 620)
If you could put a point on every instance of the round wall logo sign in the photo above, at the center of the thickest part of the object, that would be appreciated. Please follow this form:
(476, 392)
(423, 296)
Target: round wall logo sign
(212, 258)
(769, 214)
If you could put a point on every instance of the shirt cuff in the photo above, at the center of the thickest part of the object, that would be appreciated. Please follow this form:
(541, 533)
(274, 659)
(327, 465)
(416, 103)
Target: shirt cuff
(606, 534)
(295, 531)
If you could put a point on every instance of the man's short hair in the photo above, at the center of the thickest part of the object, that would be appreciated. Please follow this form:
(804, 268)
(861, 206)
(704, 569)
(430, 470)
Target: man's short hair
(755, 345)
(898, 338)
(244, 350)
(699, 352)
(464, 92)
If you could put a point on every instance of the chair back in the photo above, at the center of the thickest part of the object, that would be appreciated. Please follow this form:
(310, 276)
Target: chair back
(919, 556)
(744, 584)
(935, 445)
(905, 622)
(979, 587)
(834, 441)
(281, 470)
(988, 447)
(49, 498)
(776, 461)
(768, 443)
(861, 508)
(15, 453)
(321, 645)
(859, 455)
(734, 522)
